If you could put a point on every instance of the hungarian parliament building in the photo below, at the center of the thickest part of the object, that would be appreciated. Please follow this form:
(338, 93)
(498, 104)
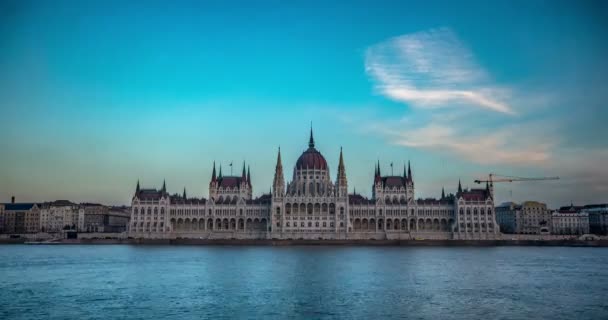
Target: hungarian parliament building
(312, 206)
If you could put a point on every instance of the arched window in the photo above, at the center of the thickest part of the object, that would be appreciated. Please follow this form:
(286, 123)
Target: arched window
(155, 210)
(341, 211)
(278, 211)
(149, 210)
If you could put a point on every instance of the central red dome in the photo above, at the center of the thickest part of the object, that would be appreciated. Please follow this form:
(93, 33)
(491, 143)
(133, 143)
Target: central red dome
(311, 158)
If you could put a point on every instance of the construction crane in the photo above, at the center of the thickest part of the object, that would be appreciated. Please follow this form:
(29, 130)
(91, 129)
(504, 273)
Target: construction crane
(492, 177)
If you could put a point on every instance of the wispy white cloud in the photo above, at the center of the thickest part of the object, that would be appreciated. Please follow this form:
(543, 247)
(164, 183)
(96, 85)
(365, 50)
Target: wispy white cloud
(457, 108)
(433, 69)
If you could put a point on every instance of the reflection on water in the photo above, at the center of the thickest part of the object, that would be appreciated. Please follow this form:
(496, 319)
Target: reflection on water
(151, 282)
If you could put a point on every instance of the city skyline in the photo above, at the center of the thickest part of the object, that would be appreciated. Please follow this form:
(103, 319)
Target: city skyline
(92, 102)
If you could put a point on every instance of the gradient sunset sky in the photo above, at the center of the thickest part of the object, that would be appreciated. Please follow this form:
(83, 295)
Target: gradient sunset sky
(95, 95)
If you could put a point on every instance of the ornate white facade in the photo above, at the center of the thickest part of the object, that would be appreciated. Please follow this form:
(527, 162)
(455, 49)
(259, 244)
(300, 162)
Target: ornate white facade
(313, 206)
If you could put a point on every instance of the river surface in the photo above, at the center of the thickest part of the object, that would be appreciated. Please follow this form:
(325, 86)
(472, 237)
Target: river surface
(194, 282)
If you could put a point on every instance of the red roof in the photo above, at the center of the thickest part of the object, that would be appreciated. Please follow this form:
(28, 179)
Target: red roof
(358, 199)
(474, 195)
(229, 182)
(311, 159)
(393, 181)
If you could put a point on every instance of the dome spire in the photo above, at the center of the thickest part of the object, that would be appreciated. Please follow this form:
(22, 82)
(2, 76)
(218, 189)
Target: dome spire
(311, 141)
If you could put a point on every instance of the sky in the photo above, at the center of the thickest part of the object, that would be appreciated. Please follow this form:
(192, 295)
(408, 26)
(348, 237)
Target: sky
(96, 95)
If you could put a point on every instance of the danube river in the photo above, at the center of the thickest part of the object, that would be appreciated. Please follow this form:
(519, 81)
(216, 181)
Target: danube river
(194, 282)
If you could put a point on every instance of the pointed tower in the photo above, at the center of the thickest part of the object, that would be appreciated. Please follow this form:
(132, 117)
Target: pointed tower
(164, 189)
(404, 173)
(220, 171)
(137, 187)
(442, 193)
(377, 187)
(459, 186)
(279, 181)
(244, 173)
(213, 184)
(184, 195)
(375, 172)
(248, 176)
(341, 181)
(409, 172)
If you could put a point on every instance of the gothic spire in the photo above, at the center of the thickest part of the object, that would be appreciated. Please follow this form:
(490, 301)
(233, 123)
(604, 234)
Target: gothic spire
(341, 171)
(137, 187)
(341, 162)
(248, 176)
(220, 171)
(409, 171)
(442, 193)
(279, 180)
(164, 186)
(404, 172)
(213, 176)
(379, 174)
(311, 141)
(184, 193)
(459, 186)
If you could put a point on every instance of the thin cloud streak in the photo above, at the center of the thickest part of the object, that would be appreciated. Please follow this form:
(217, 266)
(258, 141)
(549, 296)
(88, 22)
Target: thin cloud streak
(457, 109)
(433, 69)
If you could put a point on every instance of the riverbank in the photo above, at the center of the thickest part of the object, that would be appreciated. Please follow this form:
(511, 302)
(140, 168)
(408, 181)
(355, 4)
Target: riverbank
(268, 242)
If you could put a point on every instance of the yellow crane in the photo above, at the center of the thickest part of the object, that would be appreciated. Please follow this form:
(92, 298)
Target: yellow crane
(492, 177)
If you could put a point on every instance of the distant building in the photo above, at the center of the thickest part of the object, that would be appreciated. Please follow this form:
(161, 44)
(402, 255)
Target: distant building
(60, 215)
(598, 218)
(93, 217)
(118, 219)
(20, 217)
(506, 216)
(570, 221)
(534, 219)
(99, 218)
(1, 217)
(530, 217)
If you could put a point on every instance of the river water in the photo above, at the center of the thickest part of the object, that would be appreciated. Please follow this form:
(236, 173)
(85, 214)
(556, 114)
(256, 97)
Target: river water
(194, 282)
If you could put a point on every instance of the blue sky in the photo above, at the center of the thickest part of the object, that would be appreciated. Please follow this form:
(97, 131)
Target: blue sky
(95, 95)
